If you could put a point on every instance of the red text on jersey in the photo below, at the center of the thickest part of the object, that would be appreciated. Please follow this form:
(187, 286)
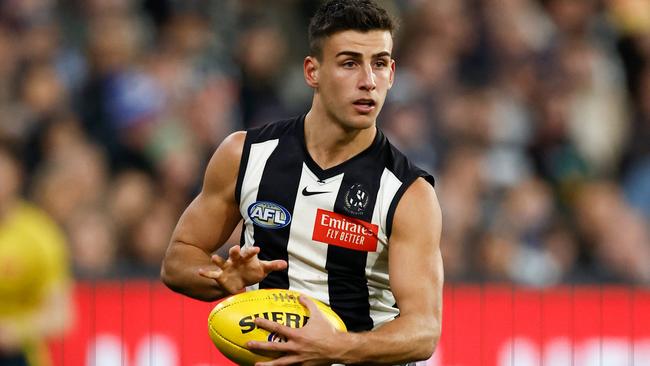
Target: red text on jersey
(343, 231)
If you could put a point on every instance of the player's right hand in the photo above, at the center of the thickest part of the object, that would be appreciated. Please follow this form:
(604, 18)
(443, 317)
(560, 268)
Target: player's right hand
(242, 268)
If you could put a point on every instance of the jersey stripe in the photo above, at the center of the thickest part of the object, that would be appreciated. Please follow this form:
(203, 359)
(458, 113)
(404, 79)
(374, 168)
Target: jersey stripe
(257, 156)
(279, 184)
(306, 257)
(381, 298)
(348, 286)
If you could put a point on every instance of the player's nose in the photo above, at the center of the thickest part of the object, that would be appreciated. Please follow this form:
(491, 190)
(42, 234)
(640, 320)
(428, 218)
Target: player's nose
(367, 79)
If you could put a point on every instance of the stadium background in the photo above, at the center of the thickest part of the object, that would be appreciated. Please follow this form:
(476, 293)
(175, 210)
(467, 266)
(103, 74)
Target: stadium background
(533, 115)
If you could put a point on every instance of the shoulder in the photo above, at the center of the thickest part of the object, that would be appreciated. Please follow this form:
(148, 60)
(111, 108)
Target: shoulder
(409, 182)
(222, 168)
(232, 145)
(418, 209)
(419, 198)
(421, 190)
(402, 167)
(275, 130)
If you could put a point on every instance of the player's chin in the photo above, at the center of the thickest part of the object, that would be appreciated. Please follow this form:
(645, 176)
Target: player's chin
(362, 120)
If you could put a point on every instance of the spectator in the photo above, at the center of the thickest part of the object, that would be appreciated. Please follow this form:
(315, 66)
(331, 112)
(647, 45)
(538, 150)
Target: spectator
(93, 243)
(34, 273)
(617, 255)
(115, 107)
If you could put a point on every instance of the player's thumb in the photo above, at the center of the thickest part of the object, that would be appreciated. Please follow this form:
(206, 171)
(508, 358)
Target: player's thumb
(275, 265)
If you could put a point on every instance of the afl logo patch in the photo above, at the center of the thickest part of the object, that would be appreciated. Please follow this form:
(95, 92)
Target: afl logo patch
(356, 199)
(269, 215)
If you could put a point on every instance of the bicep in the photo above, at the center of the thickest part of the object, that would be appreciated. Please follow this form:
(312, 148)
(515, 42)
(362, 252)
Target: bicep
(415, 263)
(212, 216)
(206, 223)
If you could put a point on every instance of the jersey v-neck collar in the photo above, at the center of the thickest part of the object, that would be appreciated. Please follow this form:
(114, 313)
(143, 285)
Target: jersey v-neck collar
(337, 169)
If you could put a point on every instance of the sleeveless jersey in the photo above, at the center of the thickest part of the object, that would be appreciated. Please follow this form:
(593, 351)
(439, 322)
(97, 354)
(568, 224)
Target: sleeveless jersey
(332, 225)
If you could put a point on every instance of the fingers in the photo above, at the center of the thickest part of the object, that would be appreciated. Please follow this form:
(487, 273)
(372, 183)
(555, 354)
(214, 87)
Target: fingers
(249, 252)
(220, 262)
(229, 286)
(242, 268)
(286, 360)
(268, 346)
(214, 274)
(234, 253)
(274, 327)
(285, 347)
(309, 304)
(237, 254)
(276, 265)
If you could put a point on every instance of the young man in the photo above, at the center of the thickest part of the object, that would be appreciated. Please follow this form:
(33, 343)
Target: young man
(329, 208)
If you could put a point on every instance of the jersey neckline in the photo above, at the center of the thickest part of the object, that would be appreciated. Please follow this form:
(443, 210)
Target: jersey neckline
(337, 169)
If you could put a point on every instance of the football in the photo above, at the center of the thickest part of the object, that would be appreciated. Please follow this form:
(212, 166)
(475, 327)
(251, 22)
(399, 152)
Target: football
(231, 322)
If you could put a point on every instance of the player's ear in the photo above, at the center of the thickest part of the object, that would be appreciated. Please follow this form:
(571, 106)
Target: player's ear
(310, 69)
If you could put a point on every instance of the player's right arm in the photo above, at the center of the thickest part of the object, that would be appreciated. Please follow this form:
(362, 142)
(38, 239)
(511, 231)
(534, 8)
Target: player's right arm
(190, 265)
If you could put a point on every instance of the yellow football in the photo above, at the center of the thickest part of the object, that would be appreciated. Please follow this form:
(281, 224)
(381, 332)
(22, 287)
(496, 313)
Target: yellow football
(231, 322)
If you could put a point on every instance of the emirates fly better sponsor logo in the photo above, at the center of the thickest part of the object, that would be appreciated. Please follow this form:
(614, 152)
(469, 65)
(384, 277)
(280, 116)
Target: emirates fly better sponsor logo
(343, 231)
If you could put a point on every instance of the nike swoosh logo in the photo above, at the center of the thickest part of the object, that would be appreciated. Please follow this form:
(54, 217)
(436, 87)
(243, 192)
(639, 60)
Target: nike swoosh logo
(305, 192)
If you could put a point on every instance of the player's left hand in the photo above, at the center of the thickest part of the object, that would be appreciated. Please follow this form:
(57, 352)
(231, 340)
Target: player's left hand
(313, 344)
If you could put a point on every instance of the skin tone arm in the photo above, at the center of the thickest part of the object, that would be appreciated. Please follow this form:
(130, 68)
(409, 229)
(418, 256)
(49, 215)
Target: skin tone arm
(414, 254)
(189, 266)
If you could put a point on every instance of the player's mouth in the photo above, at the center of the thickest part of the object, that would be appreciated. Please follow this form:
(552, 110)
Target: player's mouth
(364, 105)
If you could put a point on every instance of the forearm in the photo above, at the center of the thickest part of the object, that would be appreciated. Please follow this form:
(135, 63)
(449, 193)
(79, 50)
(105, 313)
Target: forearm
(402, 340)
(180, 272)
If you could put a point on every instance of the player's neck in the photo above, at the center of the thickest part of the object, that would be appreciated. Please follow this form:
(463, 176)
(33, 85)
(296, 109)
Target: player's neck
(330, 144)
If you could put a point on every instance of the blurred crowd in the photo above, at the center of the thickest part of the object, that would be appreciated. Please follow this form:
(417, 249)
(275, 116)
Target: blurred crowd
(533, 116)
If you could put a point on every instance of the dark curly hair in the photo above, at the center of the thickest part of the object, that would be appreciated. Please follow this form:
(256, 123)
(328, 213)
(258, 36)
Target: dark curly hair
(341, 15)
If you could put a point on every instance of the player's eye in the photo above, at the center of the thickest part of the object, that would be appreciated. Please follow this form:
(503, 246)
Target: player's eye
(349, 64)
(381, 63)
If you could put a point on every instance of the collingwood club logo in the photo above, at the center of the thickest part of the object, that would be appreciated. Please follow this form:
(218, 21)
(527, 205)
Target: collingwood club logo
(356, 199)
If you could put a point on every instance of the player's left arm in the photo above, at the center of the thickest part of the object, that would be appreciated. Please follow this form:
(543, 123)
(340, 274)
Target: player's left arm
(416, 278)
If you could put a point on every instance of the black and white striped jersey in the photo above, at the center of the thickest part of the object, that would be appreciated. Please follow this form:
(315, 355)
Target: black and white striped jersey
(332, 225)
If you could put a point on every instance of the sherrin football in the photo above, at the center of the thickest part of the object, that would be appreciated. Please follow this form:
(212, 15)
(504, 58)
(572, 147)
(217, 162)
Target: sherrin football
(231, 322)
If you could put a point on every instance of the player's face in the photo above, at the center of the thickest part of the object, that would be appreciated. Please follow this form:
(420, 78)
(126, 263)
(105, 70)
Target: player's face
(353, 76)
